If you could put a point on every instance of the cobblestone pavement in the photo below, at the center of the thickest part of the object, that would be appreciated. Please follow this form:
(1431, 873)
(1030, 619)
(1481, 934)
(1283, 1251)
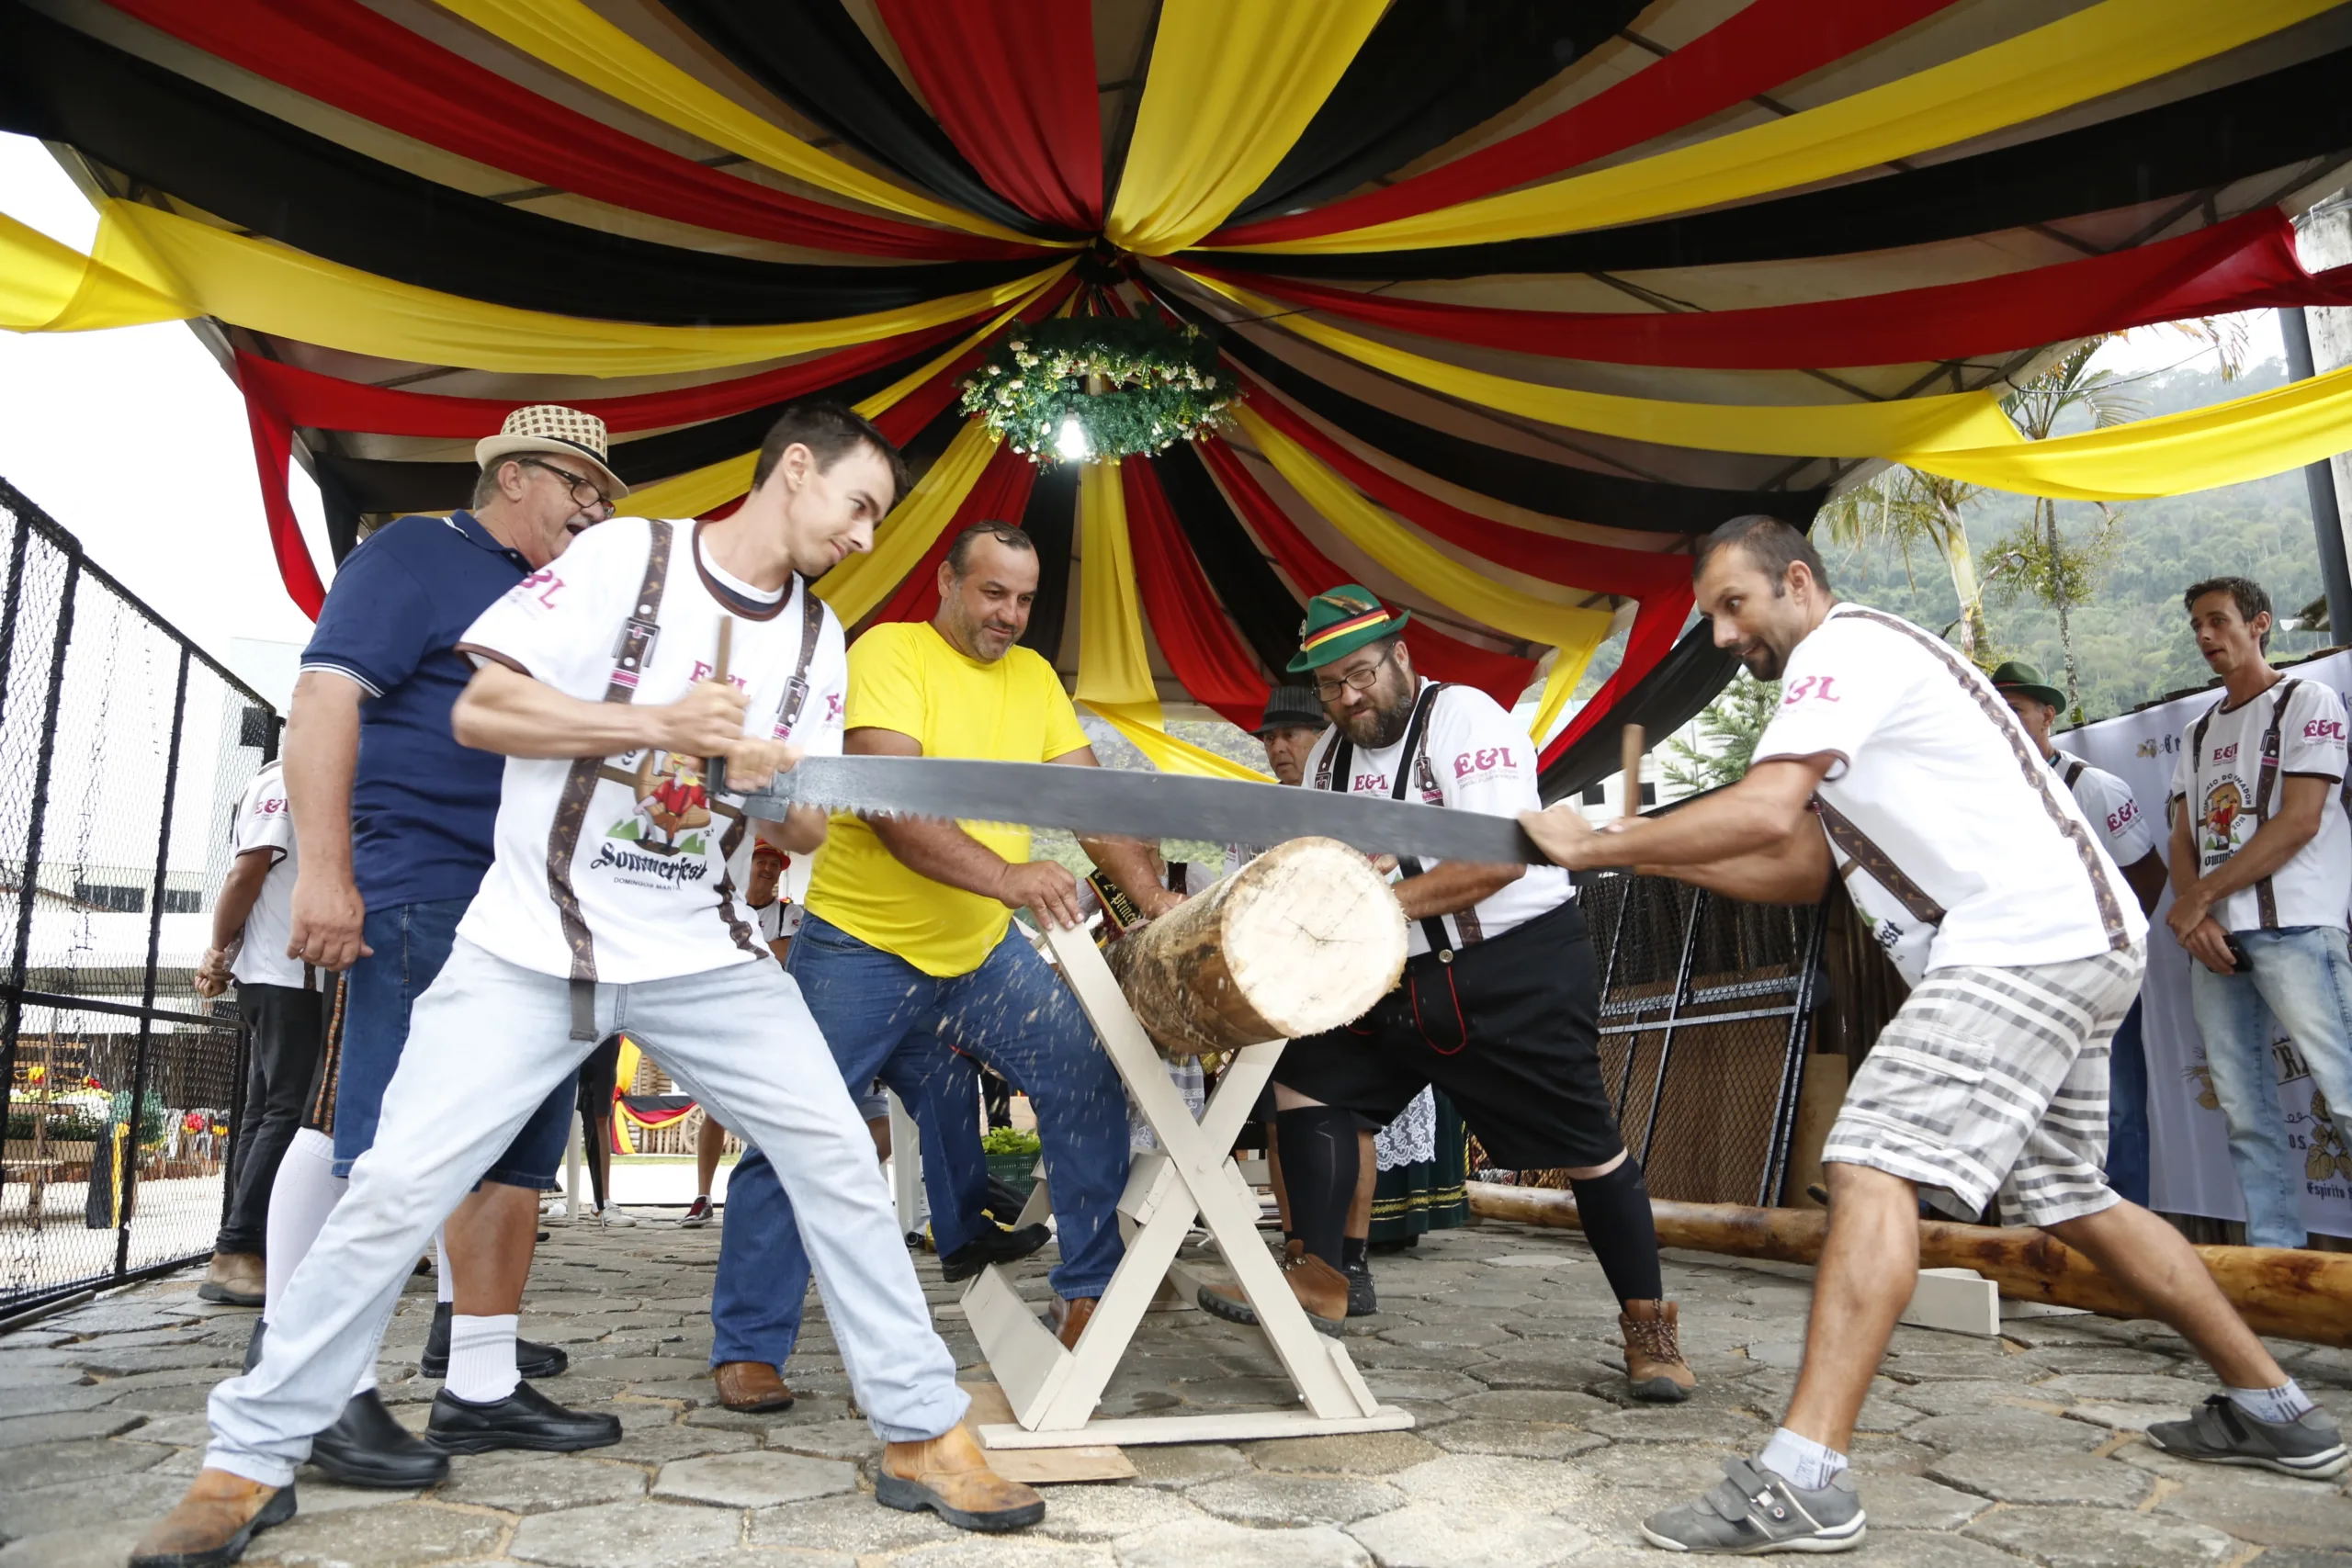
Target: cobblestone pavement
(1499, 1339)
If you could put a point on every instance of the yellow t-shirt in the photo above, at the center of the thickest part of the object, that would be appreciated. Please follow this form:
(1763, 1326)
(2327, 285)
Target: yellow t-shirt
(905, 676)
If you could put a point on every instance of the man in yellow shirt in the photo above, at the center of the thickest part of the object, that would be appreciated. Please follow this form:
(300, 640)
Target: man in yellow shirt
(906, 959)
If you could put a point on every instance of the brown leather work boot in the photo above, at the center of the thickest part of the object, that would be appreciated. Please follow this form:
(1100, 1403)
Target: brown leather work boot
(1071, 1318)
(1320, 1289)
(750, 1386)
(1653, 1352)
(235, 1278)
(950, 1476)
(209, 1526)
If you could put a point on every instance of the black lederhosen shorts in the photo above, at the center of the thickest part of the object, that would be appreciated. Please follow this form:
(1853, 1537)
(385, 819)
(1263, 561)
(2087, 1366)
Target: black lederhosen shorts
(1510, 1030)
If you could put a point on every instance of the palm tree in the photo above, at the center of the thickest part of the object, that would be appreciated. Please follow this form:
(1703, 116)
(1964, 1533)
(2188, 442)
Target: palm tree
(1908, 507)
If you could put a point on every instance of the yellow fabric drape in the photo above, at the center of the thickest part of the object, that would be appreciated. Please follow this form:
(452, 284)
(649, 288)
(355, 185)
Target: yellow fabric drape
(624, 1074)
(1576, 633)
(204, 271)
(2094, 52)
(1568, 669)
(2245, 438)
(1147, 731)
(47, 286)
(1113, 661)
(574, 39)
(1232, 84)
(860, 583)
(1817, 430)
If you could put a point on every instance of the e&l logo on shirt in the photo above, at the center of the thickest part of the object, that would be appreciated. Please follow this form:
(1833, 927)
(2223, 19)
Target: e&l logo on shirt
(1365, 783)
(2223, 753)
(544, 578)
(1812, 686)
(2324, 729)
(705, 672)
(1485, 760)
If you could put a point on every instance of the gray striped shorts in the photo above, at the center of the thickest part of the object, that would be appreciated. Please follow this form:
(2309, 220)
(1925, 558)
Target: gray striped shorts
(1993, 1081)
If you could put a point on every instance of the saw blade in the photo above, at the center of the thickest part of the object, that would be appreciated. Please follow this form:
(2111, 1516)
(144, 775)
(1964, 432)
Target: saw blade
(1141, 805)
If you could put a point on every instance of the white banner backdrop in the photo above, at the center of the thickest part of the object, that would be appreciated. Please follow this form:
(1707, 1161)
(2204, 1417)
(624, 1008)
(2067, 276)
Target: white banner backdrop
(2189, 1154)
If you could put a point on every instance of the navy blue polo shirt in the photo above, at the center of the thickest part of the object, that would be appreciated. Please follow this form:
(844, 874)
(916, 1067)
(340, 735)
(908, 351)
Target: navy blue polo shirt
(423, 808)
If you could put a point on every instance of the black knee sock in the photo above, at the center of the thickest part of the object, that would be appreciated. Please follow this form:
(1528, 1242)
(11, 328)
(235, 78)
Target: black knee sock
(1615, 1212)
(1354, 1251)
(1319, 1144)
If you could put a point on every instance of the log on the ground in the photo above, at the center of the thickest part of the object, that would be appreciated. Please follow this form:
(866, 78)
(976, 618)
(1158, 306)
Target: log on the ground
(2284, 1292)
(1302, 939)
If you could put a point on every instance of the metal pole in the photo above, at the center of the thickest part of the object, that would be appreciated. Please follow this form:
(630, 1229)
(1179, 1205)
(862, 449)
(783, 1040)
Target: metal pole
(2319, 480)
(139, 1075)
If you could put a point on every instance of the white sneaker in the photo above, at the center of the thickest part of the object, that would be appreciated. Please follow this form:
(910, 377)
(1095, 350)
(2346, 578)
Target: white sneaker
(614, 1218)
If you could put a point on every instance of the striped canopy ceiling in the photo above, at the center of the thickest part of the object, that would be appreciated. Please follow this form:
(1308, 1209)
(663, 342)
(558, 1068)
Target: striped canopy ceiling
(1523, 294)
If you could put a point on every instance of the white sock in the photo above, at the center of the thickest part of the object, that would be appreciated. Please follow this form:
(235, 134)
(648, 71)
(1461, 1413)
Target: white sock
(481, 1358)
(303, 1194)
(1804, 1464)
(2278, 1405)
(445, 1286)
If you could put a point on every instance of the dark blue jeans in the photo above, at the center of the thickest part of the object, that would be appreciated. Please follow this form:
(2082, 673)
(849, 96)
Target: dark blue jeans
(2127, 1112)
(919, 1035)
(411, 942)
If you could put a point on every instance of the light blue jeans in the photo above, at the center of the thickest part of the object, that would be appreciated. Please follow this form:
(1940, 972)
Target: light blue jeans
(2302, 977)
(487, 1043)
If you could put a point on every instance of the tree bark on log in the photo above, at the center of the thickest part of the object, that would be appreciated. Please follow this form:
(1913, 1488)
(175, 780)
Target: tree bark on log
(1302, 939)
(2287, 1292)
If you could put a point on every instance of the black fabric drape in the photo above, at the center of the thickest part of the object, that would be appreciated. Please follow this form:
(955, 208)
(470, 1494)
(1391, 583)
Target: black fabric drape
(1251, 593)
(1552, 489)
(2208, 139)
(285, 184)
(1430, 70)
(811, 54)
(1661, 702)
(1051, 522)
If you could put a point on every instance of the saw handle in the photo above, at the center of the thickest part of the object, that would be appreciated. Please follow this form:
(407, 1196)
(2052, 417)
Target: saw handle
(713, 769)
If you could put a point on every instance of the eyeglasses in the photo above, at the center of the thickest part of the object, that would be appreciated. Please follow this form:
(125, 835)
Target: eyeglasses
(584, 491)
(1358, 679)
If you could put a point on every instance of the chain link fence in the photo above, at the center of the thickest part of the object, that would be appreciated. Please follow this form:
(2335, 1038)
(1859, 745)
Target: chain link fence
(123, 751)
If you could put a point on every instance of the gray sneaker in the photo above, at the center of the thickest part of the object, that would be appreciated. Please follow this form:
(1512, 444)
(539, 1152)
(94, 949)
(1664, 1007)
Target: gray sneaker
(1757, 1510)
(2218, 1432)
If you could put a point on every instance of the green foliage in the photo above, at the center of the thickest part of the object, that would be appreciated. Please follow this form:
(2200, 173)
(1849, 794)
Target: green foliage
(1728, 730)
(1009, 1140)
(1162, 386)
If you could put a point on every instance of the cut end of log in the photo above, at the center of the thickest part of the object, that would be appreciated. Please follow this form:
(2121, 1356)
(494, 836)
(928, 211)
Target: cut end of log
(1313, 952)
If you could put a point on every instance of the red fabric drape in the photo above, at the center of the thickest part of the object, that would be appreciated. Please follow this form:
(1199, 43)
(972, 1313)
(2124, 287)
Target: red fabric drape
(2246, 262)
(1436, 655)
(1656, 626)
(1013, 83)
(1204, 649)
(999, 495)
(1769, 42)
(342, 54)
(273, 435)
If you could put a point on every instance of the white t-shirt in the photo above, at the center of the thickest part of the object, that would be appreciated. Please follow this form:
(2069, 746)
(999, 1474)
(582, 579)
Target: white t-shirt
(1473, 758)
(2107, 801)
(1945, 803)
(266, 826)
(2220, 787)
(647, 874)
(780, 916)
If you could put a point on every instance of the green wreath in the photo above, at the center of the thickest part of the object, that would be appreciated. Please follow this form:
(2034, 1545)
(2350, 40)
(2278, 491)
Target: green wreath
(1159, 385)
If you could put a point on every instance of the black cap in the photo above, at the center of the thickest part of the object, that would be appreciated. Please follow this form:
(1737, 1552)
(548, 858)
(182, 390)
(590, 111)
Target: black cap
(1291, 708)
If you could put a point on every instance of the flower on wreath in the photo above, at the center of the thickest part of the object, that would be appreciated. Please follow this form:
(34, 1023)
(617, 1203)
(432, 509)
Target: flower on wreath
(1158, 385)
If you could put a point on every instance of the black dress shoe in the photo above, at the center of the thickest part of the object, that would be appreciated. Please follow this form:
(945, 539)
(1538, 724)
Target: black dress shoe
(366, 1448)
(532, 1359)
(523, 1419)
(992, 1246)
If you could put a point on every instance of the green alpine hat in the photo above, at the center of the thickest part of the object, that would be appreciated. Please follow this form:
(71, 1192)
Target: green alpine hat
(1340, 620)
(2023, 678)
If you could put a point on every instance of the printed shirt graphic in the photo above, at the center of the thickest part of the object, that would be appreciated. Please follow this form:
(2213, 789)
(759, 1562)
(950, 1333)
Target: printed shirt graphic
(1933, 769)
(2124, 828)
(650, 867)
(266, 826)
(905, 676)
(2218, 787)
(1479, 761)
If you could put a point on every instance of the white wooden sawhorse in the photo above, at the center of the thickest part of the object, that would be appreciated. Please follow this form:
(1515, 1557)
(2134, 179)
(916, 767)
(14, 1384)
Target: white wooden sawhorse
(1054, 1392)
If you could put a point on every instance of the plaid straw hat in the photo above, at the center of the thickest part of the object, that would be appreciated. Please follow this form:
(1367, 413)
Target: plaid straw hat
(1291, 708)
(559, 432)
(1340, 620)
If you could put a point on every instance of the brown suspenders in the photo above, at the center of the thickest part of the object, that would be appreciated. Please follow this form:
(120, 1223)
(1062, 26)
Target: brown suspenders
(2265, 783)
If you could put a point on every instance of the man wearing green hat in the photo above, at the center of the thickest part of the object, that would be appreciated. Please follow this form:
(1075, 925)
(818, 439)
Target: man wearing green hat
(1499, 1002)
(2130, 840)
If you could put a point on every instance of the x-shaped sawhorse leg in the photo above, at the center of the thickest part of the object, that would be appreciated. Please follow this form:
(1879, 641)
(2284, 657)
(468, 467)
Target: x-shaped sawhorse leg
(1054, 1392)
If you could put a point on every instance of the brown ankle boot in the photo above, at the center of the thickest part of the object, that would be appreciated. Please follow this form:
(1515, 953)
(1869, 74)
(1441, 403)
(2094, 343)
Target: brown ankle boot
(1654, 1360)
(1071, 1318)
(234, 1278)
(1320, 1289)
(208, 1526)
(950, 1476)
(750, 1386)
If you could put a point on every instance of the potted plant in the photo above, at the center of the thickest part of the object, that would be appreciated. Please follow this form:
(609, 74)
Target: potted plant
(1013, 1157)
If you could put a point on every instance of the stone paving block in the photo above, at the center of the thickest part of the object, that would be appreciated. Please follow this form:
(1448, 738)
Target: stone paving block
(1366, 1453)
(1913, 1503)
(2004, 1428)
(37, 1510)
(1876, 1455)
(117, 1316)
(1107, 1511)
(640, 1369)
(2292, 1513)
(103, 1423)
(396, 1536)
(2100, 1358)
(2009, 1475)
(1369, 1353)
(90, 1545)
(1430, 1535)
(1679, 1424)
(2102, 1537)
(28, 1374)
(1567, 1372)
(1521, 1485)
(171, 1400)
(1178, 1465)
(314, 1493)
(1526, 1440)
(1213, 1543)
(85, 1461)
(1467, 1336)
(850, 1438)
(2138, 1388)
(660, 1445)
(1288, 1501)
(756, 1479)
(627, 1535)
(859, 1526)
(1554, 1407)
(1922, 1548)
(159, 1359)
(2124, 1417)
(1959, 1396)
(1026, 1550)
(538, 1484)
(17, 1404)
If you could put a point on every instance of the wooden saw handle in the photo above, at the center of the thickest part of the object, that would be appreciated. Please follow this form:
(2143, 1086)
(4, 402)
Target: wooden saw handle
(713, 769)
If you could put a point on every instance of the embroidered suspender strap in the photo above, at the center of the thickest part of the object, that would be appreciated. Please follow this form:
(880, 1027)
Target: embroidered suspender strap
(639, 633)
(796, 698)
(1861, 853)
(2035, 771)
(2266, 784)
(1333, 776)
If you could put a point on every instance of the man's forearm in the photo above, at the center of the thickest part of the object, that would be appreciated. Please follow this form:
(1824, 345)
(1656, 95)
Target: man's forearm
(238, 894)
(322, 756)
(1788, 874)
(1450, 889)
(2274, 843)
(1724, 828)
(1129, 863)
(943, 852)
(505, 711)
(800, 833)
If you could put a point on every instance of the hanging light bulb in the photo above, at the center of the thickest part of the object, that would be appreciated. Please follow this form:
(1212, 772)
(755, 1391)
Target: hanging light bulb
(1070, 445)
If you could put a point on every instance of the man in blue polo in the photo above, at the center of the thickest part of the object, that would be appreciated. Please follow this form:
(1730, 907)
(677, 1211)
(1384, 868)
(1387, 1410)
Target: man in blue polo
(395, 821)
